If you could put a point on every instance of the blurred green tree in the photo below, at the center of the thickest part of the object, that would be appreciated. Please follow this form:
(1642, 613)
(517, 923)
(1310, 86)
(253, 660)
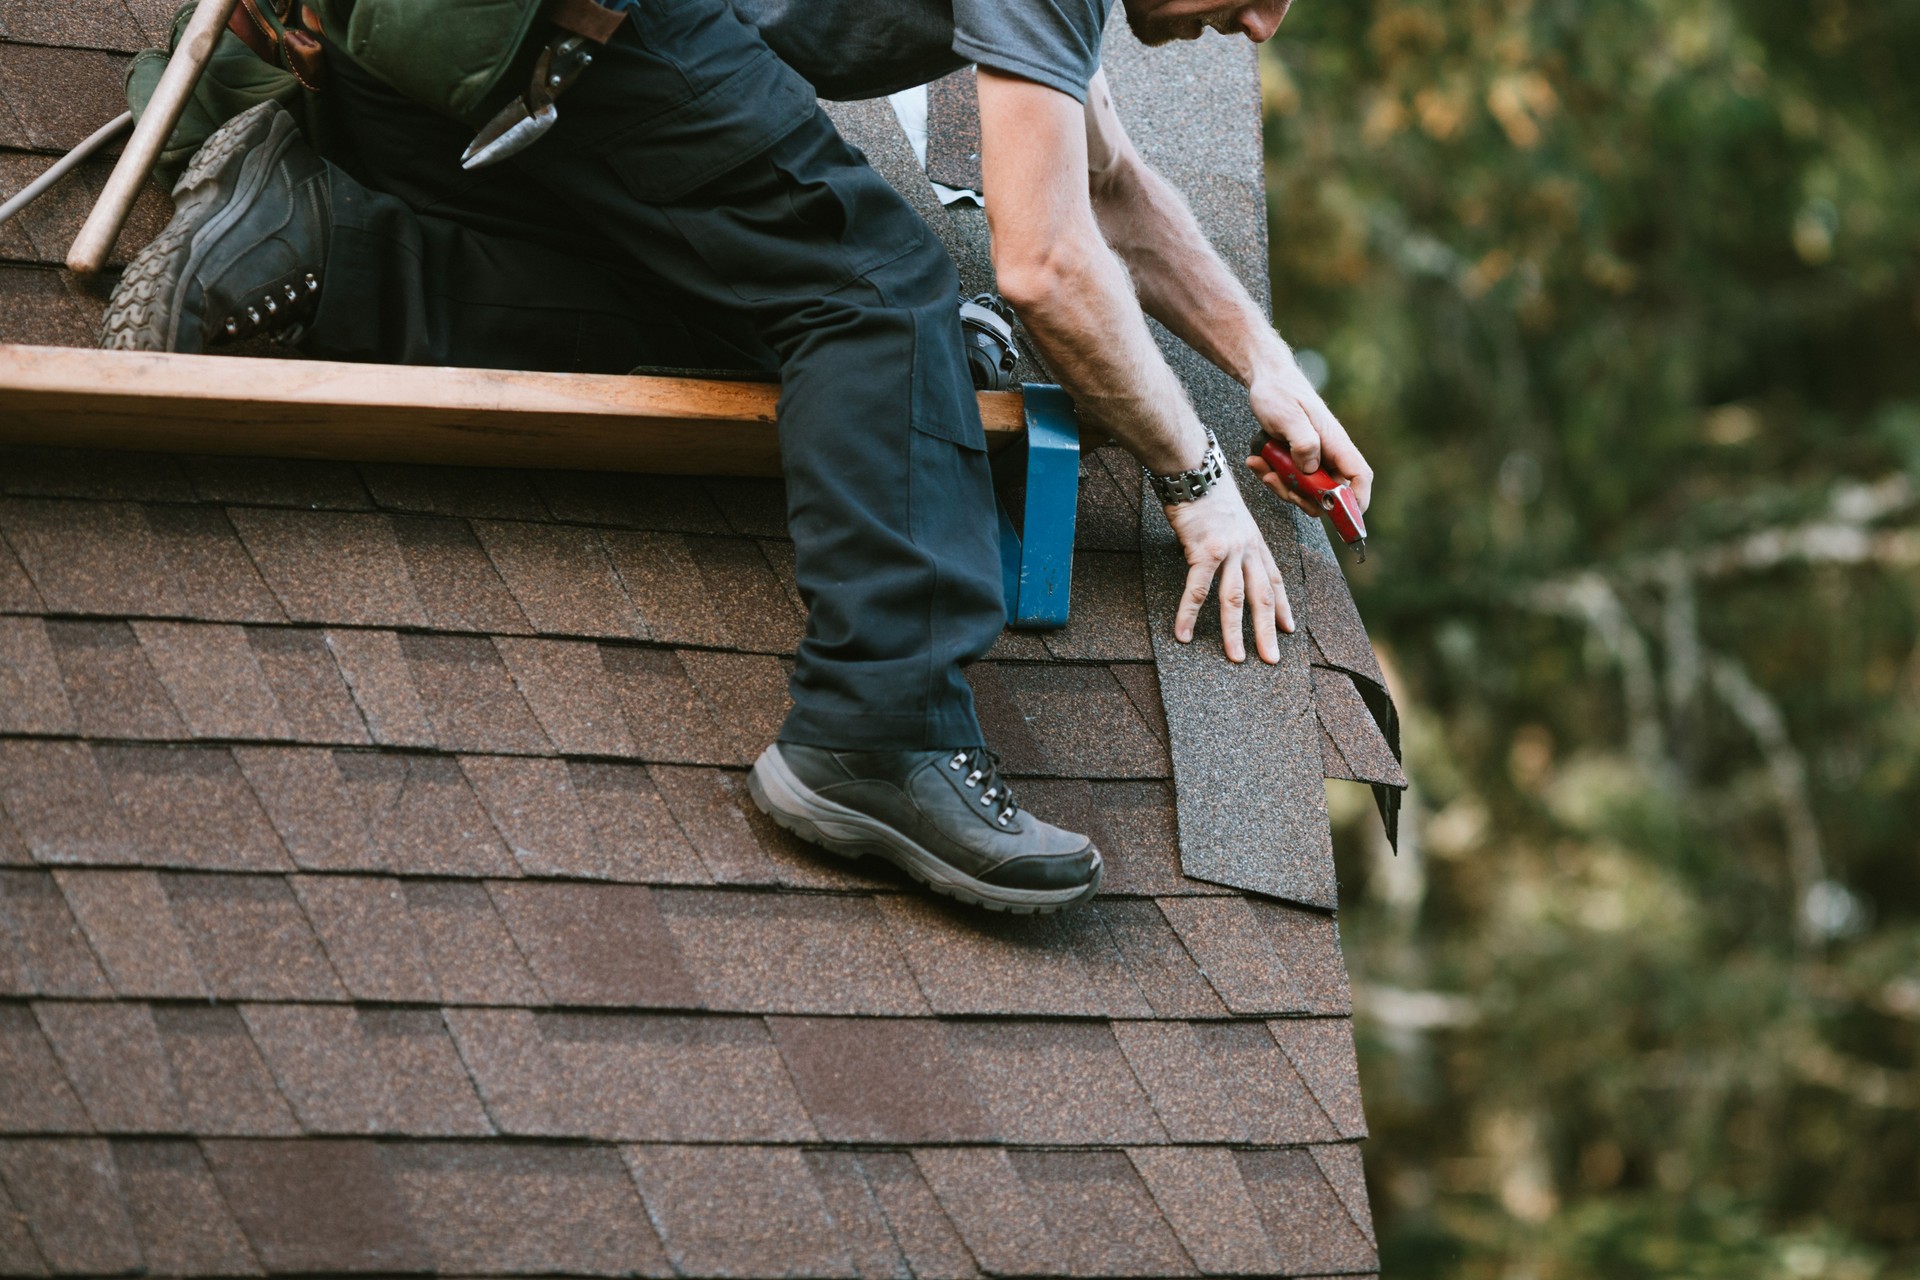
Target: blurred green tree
(1623, 302)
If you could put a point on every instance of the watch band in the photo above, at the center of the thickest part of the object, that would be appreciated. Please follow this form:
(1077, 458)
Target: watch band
(1188, 486)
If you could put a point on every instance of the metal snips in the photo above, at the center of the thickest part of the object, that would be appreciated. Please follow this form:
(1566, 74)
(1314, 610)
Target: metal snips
(526, 119)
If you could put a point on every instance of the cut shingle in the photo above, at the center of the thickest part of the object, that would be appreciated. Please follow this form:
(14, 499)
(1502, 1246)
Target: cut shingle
(429, 1091)
(178, 1214)
(994, 1212)
(789, 953)
(561, 578)
(224, 1086)
(60, 805)
(130, 926)
(33, 699)
(249, 938)
(1183, 1081)
(473, 956)
(90, 557)
(666, 715)
(1227, 941)
(862, 1223)
(1311, 1231)
(1200, 1191)
(191, 807)
(672, 1079)
(595, 944)
(109, 682)
(369, 936)
(312, 695)
(1101, 1214)
(1340, 1164)
(317, 1206)
(456, 584)
(37, 1097)
(522, 1210)
(739, 1211)
(382, 683)
(1321, 1050)
(1274, 1103)
(469, 698)
(748, 693)
(49, 953)
(567, 688)
(304, 797)
(424, 816)
(920, 1226)
(881, 1080)
(969, 963)
(534, 808)
(342, 568)
(213, 679)
(635, 835)
(1141, 680)
(1362, 749)
(1309, 943)
(1056, 1082)
(663, 580)
(517, 1076)
(324, 1066)
(114, 1059)
(70, 1194)
(1173, 984)
(216, 575)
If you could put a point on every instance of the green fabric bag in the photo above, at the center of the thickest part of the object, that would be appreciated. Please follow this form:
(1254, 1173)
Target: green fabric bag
(236, 78)
(446, 55)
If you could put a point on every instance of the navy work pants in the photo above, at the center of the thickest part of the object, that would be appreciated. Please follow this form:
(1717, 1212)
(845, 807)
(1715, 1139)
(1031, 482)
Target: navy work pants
(693, 207)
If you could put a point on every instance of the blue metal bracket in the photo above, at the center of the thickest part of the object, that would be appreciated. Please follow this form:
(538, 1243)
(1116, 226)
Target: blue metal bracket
(1036, 559)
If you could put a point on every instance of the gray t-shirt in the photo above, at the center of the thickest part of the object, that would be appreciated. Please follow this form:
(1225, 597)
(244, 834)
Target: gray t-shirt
(869, 48)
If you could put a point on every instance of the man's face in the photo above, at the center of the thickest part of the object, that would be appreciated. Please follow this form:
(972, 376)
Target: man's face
(1163, 21)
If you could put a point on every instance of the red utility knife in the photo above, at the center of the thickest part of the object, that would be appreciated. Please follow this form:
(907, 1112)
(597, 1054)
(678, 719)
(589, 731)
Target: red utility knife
(1334, 495)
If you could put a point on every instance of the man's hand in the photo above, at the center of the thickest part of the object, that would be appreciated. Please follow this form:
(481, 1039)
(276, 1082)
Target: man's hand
(1220, 538)
(1289, 409)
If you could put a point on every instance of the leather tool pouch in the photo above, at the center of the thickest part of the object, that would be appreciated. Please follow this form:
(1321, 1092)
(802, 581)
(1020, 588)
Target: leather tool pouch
(241, 74)
(282, 32)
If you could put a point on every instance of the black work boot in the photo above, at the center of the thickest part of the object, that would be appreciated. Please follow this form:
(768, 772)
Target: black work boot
(946, 818)
(244, 253)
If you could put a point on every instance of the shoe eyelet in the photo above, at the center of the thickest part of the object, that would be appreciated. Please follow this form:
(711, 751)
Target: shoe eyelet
(959, 759)
(1002, 819)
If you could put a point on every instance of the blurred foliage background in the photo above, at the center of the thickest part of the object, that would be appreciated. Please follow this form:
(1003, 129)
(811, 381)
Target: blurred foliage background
(1623, 303)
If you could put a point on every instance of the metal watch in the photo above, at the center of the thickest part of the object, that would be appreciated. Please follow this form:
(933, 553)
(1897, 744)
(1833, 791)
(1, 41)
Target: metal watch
(1190, 486)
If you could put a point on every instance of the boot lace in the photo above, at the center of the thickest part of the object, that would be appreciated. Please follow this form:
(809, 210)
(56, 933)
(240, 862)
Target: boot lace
(982, 765)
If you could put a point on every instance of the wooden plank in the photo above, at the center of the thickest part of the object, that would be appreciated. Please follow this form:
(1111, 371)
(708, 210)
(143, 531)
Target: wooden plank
(81, 398)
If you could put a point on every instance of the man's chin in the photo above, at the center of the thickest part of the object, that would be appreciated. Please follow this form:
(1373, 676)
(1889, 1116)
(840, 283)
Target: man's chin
(1154, 32)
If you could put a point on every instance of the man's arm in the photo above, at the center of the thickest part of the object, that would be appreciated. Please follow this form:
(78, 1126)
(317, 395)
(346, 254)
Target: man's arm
(1183, 284)
(1074, 295)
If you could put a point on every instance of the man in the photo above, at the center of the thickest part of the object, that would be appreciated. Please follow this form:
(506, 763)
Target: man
(693, 207)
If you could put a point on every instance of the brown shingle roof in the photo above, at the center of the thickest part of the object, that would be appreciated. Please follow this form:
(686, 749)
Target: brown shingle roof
(379, 890)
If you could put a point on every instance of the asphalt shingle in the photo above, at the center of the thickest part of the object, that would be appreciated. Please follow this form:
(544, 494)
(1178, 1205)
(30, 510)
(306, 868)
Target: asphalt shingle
(474, 958)
(429, 1091)
(308, 687)
(381, 682)
(861, 1221)
(423, 815)
(110, 683)
(249, 938)
(190, 807)
(179, 1215)
(486, 492)
(308, 484)
(1321, 1050)
(1056, 1082)
(213, 679)
(59, 803)
(37, 1098)
(369, 936)
(310, 807)
(1238, 957)
(517, 1076)
(535, 809)
(469, 698)
(90, 557)
(986, 1201)
(635, 835)
(920, 1226)
(224, 1085)
(739, 1211)
(342, 568)
(318, 1206)
(1166, 974)
(33, 699)
(217, 577)
(882, 1080)
(561, 578)
(663, 580)
(1310, 1230)
(456, 584)
(970, 964)
(1101, 1214)
(324, 1066)
(783, 953)
(748, 695)
(50, 956)
(114, 1060)
(666, 715)
(595, 944)
(567, 688)
(69, 1191)
(1200, 1191)
(130, 927)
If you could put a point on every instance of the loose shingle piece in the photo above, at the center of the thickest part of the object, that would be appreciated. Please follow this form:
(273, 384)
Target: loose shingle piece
(381, 892)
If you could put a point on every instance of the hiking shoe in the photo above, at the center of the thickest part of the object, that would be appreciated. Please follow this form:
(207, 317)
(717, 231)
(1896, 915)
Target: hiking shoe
(244, 252)
(946, 818)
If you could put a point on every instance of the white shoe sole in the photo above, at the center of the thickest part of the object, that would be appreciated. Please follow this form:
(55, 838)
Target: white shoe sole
(852, 834)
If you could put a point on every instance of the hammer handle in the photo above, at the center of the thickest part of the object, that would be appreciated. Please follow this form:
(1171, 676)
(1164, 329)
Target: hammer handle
(95, 241)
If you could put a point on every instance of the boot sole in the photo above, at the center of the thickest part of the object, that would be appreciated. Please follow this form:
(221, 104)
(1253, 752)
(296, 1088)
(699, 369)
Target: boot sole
(852, 834)
(144, 314)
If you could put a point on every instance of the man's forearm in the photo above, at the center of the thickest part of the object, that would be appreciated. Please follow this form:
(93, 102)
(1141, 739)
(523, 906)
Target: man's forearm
(1082, 315)
(1180, 279)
